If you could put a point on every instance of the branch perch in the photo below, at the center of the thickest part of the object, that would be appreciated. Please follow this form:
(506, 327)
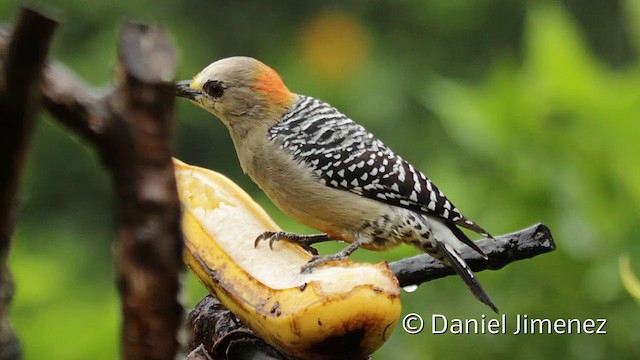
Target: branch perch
(520, 245)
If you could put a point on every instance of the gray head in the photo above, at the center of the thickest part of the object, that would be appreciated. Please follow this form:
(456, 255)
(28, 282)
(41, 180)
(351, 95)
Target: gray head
(239, 90)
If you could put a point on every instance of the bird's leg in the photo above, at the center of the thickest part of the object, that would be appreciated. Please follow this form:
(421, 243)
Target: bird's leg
(303, 240)
(320, 260)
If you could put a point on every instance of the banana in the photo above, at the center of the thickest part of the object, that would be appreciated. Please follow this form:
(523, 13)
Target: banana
(343, 310)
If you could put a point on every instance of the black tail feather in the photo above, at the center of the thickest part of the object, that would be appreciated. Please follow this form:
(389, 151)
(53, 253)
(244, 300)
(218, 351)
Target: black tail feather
(465, 239)
(461, 268)
(468, 224)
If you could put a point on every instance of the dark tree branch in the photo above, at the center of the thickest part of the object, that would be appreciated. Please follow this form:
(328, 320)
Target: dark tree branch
(24, 55)
(215, 331)
(135, 146)
(22, 61)
(520, 245)
(199, 353)
(73, 103)
(219, 331)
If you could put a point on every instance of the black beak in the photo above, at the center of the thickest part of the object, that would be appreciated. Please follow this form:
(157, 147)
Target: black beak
(183, 90)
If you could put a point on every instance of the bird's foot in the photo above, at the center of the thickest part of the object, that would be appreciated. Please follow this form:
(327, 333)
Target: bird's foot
(320, 260)
(303, 240)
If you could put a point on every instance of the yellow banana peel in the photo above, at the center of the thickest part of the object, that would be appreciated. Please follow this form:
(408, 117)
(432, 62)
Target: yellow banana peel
(344, 310)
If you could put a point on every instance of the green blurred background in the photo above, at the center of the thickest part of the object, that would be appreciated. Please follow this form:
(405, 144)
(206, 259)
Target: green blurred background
(521, 111)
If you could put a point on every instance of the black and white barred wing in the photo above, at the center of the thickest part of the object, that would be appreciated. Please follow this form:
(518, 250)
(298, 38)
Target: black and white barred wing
(344, 155)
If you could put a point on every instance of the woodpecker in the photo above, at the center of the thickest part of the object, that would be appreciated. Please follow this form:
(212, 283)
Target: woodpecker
(328, 172)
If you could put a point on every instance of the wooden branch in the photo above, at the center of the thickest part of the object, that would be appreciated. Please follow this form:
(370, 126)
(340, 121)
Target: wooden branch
(22, 61)
(199, 353)
(219, 331)
(520, 245)
(135, 145)
(73, 103)
(130, 128)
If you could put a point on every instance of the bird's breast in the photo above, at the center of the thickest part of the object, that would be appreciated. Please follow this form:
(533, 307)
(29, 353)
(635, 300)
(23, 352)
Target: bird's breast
(295, 190)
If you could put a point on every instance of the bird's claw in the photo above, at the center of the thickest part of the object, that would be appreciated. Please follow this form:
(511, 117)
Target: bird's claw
(264, 236)
(310, 249)
(274, 236)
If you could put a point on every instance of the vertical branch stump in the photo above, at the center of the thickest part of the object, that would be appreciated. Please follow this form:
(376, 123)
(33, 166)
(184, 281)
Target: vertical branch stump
(23, 60)
(136, 149)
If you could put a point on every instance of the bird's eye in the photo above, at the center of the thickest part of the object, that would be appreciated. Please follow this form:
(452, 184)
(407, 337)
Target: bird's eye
(213, 88)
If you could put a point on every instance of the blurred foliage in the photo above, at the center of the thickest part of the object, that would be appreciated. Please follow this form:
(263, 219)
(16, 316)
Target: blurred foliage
(630, 281)
(522, 111)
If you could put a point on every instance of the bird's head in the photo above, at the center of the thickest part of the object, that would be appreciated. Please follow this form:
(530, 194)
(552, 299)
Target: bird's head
(239, 91)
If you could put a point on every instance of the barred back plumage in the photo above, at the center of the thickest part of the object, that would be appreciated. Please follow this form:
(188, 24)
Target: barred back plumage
(344, 155)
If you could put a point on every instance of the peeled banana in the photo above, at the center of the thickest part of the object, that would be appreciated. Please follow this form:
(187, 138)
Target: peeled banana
(343, 310)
